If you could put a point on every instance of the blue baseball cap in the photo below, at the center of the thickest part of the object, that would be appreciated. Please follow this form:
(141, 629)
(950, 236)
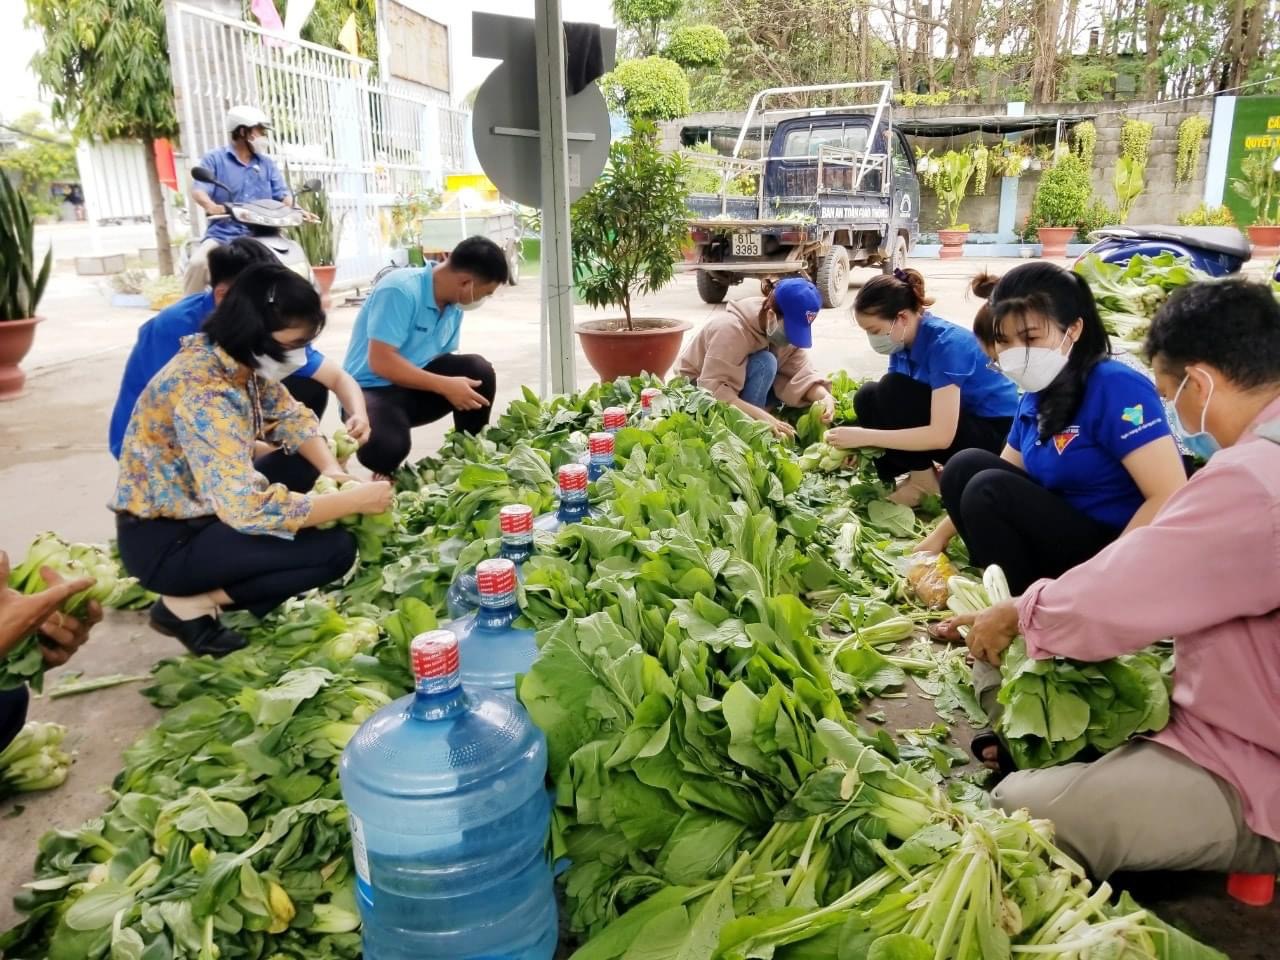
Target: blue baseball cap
(798, 301)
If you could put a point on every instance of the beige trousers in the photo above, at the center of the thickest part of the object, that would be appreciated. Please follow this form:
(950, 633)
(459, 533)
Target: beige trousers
(1140, 807)
(196, 277)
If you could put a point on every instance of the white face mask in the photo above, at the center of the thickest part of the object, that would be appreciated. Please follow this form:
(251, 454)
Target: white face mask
(473, 305)
(1033, 368)
(269, 368)
(261, 145)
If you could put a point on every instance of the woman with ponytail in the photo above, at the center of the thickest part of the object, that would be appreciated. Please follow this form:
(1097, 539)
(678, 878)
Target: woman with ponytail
(939, 397)
(1090, 454)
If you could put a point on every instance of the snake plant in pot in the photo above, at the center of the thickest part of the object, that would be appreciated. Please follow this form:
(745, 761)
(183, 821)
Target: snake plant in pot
(318, 239)
(628, 234)
(22, 283)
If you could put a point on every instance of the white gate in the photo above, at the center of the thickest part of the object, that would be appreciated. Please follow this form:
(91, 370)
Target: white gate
(366, 142)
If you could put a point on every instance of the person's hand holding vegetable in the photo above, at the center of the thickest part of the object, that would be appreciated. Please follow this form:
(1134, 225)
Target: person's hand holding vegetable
(21, 614)
(358, 428)
(848, 438)
(828, 404)
(990, 630)
(781, 429)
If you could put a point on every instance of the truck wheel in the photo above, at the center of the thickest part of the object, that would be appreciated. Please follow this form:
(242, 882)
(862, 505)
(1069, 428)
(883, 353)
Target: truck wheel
(898, 259)
(710, 289)
(833, 277)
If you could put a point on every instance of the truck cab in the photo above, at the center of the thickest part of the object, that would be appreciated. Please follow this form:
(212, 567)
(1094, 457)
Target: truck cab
(833, 189)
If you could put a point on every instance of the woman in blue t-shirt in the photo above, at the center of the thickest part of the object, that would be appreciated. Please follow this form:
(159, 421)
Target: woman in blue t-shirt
(1090, 454)
(939, 397)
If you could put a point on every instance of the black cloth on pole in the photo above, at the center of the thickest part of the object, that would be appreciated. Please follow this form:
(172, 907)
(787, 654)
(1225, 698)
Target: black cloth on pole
(583, 56)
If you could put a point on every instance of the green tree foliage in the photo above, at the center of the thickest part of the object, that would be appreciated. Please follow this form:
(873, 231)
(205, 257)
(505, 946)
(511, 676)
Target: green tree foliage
(40, 158)
(653, 88)
(698, 45)
(1063, 196)
(645, 20)
(106, 63)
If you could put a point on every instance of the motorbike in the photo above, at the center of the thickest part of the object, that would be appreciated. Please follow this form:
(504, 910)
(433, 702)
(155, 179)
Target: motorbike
(266, 220)
(1218, 251)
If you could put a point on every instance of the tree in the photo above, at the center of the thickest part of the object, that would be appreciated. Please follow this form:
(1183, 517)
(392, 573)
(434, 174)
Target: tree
(645, 20)
(41, 158)
(650, 89)
(700, 45)
(106, 62)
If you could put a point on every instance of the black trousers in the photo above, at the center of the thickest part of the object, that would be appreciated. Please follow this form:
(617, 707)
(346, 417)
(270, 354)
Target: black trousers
(13, 713)
(1006, 518)
(183, 558)
(897, 402)
(294, 471)
(395, 411)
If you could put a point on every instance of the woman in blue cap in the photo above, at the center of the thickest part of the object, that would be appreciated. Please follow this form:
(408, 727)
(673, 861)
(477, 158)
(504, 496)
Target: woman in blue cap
(939, 397)
(755, 357)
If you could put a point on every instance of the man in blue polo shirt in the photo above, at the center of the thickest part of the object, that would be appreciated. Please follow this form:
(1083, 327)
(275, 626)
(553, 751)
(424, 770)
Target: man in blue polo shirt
(160, 338)
(402, 346)
(244, 167)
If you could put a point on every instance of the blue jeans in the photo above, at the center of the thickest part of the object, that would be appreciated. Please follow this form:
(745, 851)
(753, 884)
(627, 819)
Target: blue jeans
(762, 370)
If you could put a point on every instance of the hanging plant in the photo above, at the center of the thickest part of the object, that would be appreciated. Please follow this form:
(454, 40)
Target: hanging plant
(1128, 180)
(1085, 138)
(1191, 132)
(1135, 140)
(981, 164)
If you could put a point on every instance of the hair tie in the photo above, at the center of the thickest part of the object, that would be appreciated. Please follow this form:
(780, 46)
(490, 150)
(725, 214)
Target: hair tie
(900, 274)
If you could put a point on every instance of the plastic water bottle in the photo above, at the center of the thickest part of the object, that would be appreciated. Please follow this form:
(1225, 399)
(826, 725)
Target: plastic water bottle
(615, 418)
(493, 650)
(516, 521)
(573, 500)
(650, 402)
(449, 816)
(600, 450)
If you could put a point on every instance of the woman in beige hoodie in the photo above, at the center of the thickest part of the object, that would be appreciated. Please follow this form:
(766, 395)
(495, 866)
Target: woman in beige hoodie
(755, 355)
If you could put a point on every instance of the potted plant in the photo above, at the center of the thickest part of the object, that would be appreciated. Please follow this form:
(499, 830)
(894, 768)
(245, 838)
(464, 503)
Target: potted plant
(1260, 188)
(628, 233)
(949, 176)
(22, 283)
(317, 238)
(1061, 202)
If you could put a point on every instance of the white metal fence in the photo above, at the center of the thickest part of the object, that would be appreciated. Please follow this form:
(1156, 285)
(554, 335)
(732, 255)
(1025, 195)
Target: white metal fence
(367, 142)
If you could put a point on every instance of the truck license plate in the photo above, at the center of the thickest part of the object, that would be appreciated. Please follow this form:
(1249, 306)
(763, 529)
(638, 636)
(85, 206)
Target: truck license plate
(746, 245)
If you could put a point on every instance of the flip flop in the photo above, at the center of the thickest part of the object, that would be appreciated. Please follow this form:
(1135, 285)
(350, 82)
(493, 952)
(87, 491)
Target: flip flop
(981, 742)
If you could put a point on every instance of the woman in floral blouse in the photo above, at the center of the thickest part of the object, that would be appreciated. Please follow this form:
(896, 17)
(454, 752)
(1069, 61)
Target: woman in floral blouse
(196, 523)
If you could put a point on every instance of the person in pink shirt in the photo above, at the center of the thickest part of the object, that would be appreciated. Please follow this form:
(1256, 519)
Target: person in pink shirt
(1204, 793)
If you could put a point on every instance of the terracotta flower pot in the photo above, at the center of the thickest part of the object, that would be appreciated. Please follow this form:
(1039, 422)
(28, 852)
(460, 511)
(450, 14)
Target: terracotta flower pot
(952, 243)
(1265, 240)
(16, 337)
(614, 351)
(323, 276)
(1054, 240)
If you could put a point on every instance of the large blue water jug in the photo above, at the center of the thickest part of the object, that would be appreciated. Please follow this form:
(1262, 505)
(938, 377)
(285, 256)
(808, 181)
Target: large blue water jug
(449, 814)
(494, 650)
(516, 523)
(574, 506)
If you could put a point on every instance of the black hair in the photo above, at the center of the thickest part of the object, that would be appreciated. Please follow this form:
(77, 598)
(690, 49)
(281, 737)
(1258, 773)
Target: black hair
(888, 295)
(265, 298)
(1061, 297)
(482, 258)
(1232, 324)
(228, 260)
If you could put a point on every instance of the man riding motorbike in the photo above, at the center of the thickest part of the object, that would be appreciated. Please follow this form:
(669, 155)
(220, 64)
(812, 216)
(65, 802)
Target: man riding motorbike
(245, 168)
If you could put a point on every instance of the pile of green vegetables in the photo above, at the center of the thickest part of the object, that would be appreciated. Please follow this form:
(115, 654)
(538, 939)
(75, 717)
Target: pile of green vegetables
(26, 664)
(1129, 294)
(1054, 710)
(705, 643)
(34, 760)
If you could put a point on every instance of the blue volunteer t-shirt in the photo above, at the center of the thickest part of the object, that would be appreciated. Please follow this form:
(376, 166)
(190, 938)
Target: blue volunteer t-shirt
(402, 312)
(259, 179)
(159, 340)
(1119, 413)
(943, 355)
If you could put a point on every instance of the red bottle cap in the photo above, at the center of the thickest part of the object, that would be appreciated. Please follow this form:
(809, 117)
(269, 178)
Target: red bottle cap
(573, 476)
(648, 395)
(615, 418)
(1254, 889)
(600, 444)
(434, 655)
(516, 518)
(496, 577)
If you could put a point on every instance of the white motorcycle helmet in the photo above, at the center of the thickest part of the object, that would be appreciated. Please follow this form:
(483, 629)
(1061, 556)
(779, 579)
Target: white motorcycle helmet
(246, 116)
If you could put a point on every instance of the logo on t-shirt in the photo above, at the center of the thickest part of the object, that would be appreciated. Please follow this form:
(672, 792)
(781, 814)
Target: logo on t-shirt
(1133, 415)
(1063, 440)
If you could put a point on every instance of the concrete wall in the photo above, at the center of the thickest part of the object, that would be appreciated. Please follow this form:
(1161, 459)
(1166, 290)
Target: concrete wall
(1161, 202)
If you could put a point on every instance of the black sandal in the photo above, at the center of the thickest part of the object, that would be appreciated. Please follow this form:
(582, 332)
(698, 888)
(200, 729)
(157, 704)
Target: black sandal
(984, 740)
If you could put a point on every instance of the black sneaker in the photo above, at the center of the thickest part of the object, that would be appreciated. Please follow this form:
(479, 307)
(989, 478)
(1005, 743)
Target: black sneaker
(203, 636)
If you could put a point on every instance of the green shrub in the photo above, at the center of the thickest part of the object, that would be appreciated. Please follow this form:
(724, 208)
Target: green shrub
(653, 88)
(1063, 195)
(1096, 216)
(1207, 216)
(703, 45)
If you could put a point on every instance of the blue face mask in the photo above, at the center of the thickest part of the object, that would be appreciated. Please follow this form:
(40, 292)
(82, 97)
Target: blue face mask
(1202, 445)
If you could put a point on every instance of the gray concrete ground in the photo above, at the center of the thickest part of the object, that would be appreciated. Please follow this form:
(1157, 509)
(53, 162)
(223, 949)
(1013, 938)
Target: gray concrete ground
(56, 473)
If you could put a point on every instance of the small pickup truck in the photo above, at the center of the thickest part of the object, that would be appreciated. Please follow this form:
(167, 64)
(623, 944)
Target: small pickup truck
(834, 188)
